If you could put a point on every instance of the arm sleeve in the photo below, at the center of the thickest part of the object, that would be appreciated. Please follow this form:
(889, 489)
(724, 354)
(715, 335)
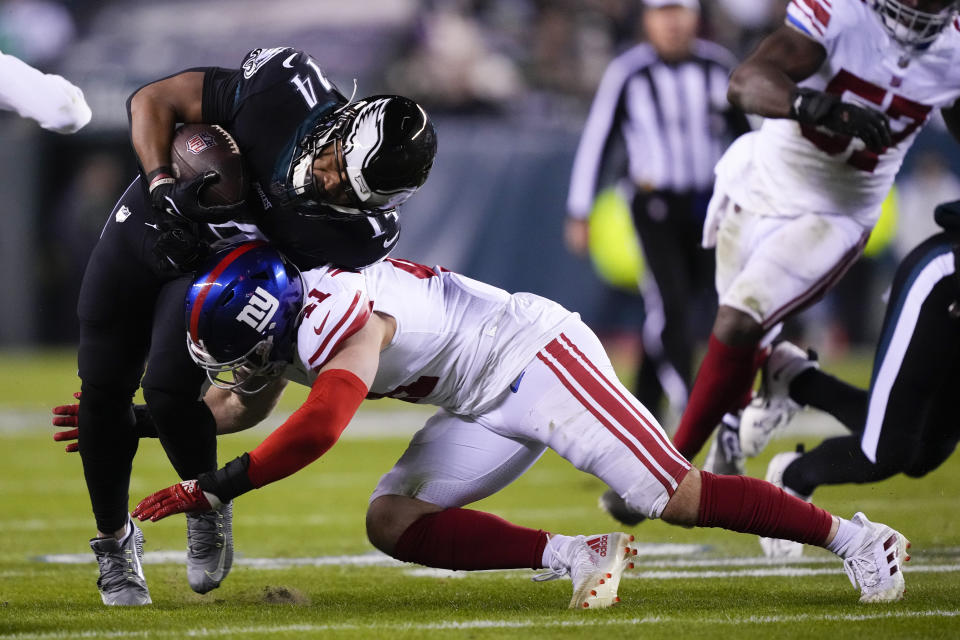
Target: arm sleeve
(49, 99)
(220, 93)
(316, 426)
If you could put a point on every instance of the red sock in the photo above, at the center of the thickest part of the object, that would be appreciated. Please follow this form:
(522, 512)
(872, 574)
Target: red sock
(470, 540)
(724, 377)
(749, 505)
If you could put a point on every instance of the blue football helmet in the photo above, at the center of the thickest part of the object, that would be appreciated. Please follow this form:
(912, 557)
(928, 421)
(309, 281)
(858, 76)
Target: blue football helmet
(242, 312)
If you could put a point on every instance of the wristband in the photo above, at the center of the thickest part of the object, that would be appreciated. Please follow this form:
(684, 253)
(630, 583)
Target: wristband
(229, 481)
(159, 176)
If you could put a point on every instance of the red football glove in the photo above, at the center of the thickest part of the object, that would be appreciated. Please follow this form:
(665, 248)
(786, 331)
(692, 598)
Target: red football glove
(69, 419)
(184, 497)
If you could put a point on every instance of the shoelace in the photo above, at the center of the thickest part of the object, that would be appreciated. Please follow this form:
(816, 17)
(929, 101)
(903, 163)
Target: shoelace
(858, 569)
(115, 567)
(205, 532)
(557, 568)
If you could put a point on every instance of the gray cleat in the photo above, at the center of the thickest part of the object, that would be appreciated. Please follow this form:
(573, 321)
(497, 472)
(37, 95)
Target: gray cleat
(209, 548)
(121, 579)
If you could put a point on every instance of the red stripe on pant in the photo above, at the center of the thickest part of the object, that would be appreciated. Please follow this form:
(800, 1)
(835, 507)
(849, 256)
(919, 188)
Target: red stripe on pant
(820, 287)
(656, 431)
(618, 419)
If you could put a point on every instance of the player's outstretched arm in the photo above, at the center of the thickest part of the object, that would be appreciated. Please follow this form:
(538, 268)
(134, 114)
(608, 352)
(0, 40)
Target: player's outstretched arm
(55, 103)
(766, 81)
(233, 412)
(335, 396)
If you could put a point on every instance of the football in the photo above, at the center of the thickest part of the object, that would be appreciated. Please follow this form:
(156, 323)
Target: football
(198, 148)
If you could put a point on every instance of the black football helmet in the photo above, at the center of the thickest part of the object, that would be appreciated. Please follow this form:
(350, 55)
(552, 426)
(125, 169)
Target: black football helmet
(384, 149)
(915, 27)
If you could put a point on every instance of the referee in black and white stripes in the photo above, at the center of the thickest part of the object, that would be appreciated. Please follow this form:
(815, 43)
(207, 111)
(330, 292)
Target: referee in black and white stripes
(666, 101)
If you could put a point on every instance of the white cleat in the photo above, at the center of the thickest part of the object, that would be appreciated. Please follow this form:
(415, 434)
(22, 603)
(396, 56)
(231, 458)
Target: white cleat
(595, 564)
(772, 409)
(876, 564)
(776, 547)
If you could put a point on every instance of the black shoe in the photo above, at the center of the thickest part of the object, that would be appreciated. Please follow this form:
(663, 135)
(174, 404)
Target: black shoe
(612, 503)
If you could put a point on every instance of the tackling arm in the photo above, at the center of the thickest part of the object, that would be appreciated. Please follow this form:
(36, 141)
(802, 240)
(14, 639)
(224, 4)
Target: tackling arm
(336, 394)
(236, 412)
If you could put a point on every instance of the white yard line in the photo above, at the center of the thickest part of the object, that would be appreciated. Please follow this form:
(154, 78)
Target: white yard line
(468, 625)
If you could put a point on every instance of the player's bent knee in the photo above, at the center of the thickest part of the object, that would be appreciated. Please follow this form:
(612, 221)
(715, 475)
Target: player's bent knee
(735, 328)
(390, 515)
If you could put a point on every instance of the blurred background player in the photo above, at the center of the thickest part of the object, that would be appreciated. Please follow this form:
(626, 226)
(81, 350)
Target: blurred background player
(665, 101)
(328, 175)
(844, 86)
(906, 421)
(51, 100)
(404, 330)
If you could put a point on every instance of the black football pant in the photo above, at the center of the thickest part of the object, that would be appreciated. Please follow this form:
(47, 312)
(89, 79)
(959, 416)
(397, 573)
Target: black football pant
(670, 228)
(131, 311)
(907, 421)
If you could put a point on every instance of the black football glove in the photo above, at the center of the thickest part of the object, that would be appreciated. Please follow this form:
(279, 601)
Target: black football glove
(182, 199)
(179, 244)
(810, 106)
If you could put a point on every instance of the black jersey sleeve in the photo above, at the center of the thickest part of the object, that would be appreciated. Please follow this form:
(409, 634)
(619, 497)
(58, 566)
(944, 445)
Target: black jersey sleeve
(220, 94)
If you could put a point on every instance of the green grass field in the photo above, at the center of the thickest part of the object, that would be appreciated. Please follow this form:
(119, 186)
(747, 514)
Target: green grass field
(305, 569)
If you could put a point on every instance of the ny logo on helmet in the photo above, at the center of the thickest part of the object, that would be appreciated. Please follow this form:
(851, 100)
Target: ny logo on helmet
(260, 310)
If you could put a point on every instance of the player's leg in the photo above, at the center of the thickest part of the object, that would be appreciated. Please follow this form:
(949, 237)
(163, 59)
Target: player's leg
(450, 463)
(914, 363)
(658, 218)
(114, 310)
(187, 430)
(767, 269)
(942, 432)
(603, 430)
(415, 513)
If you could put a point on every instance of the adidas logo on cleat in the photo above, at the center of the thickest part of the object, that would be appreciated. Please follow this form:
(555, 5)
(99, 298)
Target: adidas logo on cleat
(599, 545)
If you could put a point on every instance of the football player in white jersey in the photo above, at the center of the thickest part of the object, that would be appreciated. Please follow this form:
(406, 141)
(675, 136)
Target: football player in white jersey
(56, 104)
(511, 375)
(844, 85)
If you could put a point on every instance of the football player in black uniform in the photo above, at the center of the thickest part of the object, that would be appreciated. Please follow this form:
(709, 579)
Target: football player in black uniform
(328, 174)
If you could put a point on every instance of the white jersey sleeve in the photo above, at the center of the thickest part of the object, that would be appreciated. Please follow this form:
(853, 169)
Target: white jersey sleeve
(335, 307)
(49, 99)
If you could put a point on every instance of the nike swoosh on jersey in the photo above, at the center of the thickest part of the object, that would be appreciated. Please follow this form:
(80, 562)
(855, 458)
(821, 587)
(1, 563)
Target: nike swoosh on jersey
(319, 330)
(150, 224)
(287, 63)
(389, 241)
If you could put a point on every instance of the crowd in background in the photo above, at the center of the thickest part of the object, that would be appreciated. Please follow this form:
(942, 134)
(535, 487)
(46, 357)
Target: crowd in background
(520, 64)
